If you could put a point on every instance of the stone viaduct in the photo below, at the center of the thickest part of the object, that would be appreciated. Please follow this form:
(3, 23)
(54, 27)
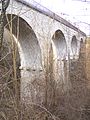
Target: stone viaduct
(46, 42)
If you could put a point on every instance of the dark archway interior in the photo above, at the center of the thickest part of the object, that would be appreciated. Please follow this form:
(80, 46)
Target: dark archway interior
(74, 45)
(21, 50)
(60, 44)
(59, 48)
(81, 43)
(29, 49)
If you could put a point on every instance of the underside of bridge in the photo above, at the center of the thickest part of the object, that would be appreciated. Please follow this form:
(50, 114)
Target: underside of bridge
(59, 48)
(74, 45)
(26, 40)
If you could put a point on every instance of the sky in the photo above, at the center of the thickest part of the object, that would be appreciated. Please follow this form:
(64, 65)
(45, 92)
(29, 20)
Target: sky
(74, 8)
(75, 11)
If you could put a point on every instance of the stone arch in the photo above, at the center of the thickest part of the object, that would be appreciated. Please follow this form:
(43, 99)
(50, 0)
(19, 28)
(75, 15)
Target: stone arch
(60, 44)
(59, 49)
(81, 40)
(82, 48)
(81, 43)
(74, 45)
(29, 51)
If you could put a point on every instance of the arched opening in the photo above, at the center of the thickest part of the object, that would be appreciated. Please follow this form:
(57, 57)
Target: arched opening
(74, 45)
(60, 44)
(21, 37)
(59, 75)
(59, 55)
(81, 40)
(31, 53)
(81, 43)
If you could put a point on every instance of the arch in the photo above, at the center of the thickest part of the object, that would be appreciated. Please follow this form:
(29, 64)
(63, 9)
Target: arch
(60, 44)
(19, 31)
(59, 48)
(81, 42)
(74, 45)
(29, 49)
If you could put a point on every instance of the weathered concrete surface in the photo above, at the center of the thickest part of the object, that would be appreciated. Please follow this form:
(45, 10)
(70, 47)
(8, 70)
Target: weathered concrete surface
(78, 66)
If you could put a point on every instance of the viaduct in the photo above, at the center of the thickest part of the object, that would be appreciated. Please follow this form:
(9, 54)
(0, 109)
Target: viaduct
(46, 43)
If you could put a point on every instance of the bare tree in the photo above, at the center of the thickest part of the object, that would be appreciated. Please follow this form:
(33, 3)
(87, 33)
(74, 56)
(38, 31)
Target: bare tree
(4, 5)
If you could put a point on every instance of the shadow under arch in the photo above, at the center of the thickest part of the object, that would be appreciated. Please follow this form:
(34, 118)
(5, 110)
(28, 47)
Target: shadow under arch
(59, 65)
(27, 40)
(59, 43)
(74, 45)
(81, 43)
(24, 37)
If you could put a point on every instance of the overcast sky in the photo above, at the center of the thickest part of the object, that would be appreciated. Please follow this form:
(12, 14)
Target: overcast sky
(75, 8)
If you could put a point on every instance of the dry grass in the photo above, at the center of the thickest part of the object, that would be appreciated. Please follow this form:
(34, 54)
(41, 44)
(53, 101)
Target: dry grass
(71, 105)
